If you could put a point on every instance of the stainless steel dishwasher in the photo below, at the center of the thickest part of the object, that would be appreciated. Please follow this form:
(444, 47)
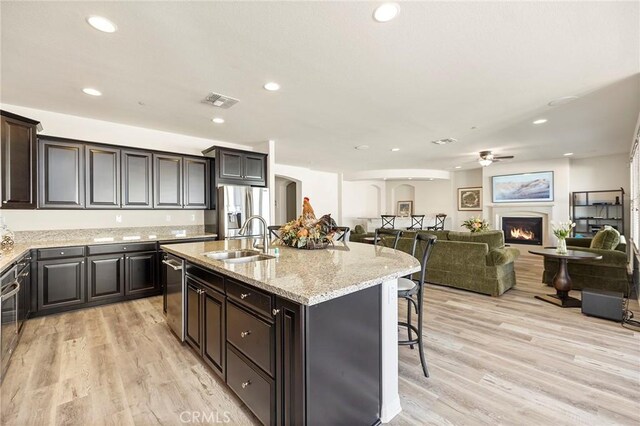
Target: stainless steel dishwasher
(174, 293)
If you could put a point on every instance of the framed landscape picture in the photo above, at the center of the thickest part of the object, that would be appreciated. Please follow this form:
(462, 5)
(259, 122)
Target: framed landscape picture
(523, 187)
(405, 208)
(470, 199)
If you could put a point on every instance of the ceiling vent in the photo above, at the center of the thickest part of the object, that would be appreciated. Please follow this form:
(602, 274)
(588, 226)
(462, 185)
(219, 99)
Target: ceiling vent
(220, 101)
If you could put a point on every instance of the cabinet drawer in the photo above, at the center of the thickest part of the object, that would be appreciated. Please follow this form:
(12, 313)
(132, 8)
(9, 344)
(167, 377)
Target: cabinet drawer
(59, 253)
(252, 336)
(120, 247)
(254, 389)
(250, 297)
(212, 279)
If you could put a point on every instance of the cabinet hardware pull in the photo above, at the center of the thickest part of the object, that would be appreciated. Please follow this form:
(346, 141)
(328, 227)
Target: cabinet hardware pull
(245, 295)
(174, 267)
(245, 333)
(275, 311)
(61, 252)
(245, 384)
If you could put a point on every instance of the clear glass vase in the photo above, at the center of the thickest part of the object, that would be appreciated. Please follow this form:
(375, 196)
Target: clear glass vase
(562, 246)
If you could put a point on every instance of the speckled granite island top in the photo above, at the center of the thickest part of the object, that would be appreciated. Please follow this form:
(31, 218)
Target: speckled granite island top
(307, 277)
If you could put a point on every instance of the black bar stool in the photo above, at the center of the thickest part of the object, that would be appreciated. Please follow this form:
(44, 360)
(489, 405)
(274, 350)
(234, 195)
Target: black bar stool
(379, 239)
(417, 221)
(388, 221)
(343, 233)
(413, 292)
(439, 225)
(274, 231)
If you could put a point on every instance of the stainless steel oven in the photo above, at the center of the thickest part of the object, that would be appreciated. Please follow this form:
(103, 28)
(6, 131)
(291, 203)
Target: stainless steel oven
(9, 327)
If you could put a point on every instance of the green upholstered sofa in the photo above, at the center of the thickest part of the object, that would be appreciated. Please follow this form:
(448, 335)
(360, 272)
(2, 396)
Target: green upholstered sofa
(476, 262)
(611, 273)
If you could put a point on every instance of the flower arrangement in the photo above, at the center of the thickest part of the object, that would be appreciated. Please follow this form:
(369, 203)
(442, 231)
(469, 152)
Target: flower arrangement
(476, 224)
(562, 230)
(307, 231)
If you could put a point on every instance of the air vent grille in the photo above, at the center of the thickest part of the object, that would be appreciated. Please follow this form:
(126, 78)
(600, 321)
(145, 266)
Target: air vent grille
(220, 101)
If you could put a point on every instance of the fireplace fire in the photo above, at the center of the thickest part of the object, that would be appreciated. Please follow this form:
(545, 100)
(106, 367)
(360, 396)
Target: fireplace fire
(522, 230)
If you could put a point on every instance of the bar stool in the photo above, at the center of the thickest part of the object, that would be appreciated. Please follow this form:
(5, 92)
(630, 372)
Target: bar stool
(381, 232)
(274, 231)
(388, 221)
(408, 288)
(439, 225)
(343, 232)
(417, 221)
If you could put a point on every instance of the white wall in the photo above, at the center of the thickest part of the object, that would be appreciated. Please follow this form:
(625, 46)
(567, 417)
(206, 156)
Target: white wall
(465, 179)
(321, 187)
(362, 199)
(429, 197)
(74, 127)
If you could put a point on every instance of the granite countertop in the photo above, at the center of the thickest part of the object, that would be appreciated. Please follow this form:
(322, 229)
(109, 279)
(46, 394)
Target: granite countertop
(307, 277)
(21, 248)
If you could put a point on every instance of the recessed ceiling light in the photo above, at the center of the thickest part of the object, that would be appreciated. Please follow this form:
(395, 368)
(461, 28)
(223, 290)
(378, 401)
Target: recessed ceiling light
(444, 141)
(272, 86)
(540, 121)
(386, 12)
(218, 120)
(362, 147)
(430, 178)
(457, 167)
(102, 24)
(92, 92)
(562, 101)
(409, 178)
(568, 154)
(395, 149)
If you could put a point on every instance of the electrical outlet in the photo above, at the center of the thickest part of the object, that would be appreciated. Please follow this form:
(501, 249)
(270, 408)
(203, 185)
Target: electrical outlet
(193, 218)
(168, 218)
(118, 218)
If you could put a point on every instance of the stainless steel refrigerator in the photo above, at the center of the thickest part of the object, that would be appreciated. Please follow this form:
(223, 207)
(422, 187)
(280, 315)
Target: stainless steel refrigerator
(235, 204)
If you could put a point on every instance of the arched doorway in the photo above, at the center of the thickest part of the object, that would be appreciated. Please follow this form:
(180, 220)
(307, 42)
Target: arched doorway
(286, 198)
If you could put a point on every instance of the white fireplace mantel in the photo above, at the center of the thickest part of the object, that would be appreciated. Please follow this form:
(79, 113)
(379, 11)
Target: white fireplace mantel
(543, 210)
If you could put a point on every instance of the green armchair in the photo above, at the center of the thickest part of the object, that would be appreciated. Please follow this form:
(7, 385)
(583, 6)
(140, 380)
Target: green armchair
(610, 273)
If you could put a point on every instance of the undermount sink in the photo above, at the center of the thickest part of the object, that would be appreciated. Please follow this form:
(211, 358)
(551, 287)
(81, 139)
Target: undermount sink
(239, 256)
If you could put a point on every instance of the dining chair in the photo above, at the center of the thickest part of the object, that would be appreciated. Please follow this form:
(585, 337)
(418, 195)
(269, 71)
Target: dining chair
(413, 292)
(343, 233)
(417, 221)
(274, 231)
(393, 234)
(439, 224)
(388, 221)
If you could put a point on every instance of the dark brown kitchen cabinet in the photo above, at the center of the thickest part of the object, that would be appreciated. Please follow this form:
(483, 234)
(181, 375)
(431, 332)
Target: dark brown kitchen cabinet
(61, 174)
(105, 277)
(167, 181)
(205, 323)
(102, 177)
(141, 270)
(196, 183)
(61, 283)
(18, 176)
(241, 167)
(137, 179)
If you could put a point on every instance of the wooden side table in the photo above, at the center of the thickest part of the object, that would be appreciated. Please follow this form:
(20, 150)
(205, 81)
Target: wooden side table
(562, 280)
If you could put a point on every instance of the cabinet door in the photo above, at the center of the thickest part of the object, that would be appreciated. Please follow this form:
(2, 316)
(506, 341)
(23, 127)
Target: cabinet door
(141, 273)
(61, 174)
(105, 277)
(255, 168)
(193, 314)
(167, 181)
(213, 330)
(137, 180)
(196, 183)
(61, 283)
(230, 165)
(18, 164)
(290, 373)
(103, 177)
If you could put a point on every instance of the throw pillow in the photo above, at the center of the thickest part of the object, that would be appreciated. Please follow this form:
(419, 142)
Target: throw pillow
(358, 229)
(607, 239)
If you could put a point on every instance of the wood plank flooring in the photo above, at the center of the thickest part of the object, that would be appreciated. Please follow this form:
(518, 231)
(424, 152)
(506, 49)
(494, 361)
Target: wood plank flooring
(510, 360)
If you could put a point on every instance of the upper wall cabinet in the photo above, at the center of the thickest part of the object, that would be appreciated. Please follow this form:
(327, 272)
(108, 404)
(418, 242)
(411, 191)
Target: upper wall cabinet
(61, 174)
(167, 181)
(102, 177)
(241, 167)
(137, 178)
(18, 177)
(196, 176)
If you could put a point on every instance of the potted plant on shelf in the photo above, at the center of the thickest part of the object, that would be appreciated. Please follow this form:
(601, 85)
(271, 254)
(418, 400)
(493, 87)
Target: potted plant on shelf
(476, 224)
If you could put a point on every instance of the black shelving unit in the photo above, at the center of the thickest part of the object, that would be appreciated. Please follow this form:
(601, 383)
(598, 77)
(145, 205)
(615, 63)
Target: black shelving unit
(591, 210)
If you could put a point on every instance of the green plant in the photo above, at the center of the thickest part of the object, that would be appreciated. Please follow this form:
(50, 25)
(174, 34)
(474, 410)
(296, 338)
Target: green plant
(562, 229)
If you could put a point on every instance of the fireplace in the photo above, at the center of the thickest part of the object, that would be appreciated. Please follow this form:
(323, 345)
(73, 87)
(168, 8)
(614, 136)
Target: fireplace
(522, 230)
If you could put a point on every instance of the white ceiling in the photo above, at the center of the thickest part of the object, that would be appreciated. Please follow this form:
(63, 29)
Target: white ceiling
(437, 70)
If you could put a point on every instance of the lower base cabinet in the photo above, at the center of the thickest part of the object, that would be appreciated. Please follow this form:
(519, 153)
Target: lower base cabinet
(61, 283)
(105, 277)
(141, 273)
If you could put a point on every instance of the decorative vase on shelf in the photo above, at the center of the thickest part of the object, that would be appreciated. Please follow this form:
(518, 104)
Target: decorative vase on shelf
(562, 246)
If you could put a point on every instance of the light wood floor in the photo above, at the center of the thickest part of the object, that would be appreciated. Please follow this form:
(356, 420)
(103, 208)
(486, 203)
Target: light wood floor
(508, 360)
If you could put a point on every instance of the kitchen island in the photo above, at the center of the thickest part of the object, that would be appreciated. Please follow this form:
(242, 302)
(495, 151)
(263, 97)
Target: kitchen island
(308, 337)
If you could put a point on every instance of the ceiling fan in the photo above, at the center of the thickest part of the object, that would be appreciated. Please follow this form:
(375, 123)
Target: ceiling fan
(487, 157)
